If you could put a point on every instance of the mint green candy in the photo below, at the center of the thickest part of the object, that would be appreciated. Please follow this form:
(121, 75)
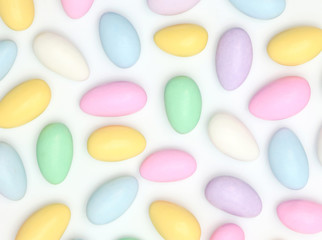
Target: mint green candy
(182, 103)
(55, 152)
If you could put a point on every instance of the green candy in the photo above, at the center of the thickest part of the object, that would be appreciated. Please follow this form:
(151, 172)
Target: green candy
(55, 152)
(182, 103)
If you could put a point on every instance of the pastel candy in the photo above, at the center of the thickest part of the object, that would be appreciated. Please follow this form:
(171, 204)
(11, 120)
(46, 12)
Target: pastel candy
(17, 14)
(288, 159)
(114, 99)
(8, 53)
(319, 145)
(183, 40)
(61, 56)
(49, 222)
(119, 39)
(76, 8)
(173, 221)
(301, 216)
(228, 231)
(183, 103)
(24, 103)
(232, 137)
(234, 58)
(296, 45)
(171, 7)
(111, 200)
(233, 196)
(168, 165)
(13, 181)
(281, 98)
(261, 9)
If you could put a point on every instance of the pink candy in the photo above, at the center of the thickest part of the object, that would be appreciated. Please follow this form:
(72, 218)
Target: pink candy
(228, 231)
(76, 8)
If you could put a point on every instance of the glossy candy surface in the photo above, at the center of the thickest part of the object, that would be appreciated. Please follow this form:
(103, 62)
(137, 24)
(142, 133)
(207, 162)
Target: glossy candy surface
(8, 53)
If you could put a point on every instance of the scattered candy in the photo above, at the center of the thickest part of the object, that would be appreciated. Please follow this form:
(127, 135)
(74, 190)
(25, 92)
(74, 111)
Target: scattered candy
(171, 7)
(76, 8)
(228, 231)
(24, 103)
(174, 222)
(111, 200)
(8, 53)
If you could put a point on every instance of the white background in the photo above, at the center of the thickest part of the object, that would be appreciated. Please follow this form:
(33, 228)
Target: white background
(152, 72)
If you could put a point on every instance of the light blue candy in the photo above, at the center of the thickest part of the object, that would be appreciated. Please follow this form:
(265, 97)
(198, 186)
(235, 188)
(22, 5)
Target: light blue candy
(119, 39)
(8, 53)
(111, 200)
(13, 181)
(261, 9)
(288, 159)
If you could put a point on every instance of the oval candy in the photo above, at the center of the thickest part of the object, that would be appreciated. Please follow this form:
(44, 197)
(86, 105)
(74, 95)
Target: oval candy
(49, 222)
(173, 221)
(260, 9)
(115, 143)
(280, 99)
(301, 216)
(61, 56)
(233, 196)
(168, 165)
(76, 8)
(111, 200)
(319, 145)
(24, 103)
(182, 40)
(114, 99)
(13, 181)
(234, 58)
(8, 54)
(295, 46)
(232, 137)
(288, 160)
(119, 39)
(228, 231)
(55, 152)
(183, 103)
(17, 14)
(171, 7)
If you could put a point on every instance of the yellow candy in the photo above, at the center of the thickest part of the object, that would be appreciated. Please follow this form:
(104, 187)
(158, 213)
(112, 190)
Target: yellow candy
(24, 103)
(173, 222)
(295, 46)
(48, 223)
(115, 143)
(182, 40)
(17, 14)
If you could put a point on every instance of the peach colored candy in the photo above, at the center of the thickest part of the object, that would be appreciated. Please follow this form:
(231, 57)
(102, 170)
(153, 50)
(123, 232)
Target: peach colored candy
(228, 231)
(76, 8)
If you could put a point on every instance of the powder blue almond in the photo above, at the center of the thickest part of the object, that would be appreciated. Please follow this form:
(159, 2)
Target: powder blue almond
(288, 159)
(119, 39)
(8, 54)
(13, 181)
(260, 9)
(111, 200)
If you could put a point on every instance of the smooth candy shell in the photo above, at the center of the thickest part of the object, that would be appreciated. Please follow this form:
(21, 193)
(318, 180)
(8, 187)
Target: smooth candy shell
(319, 145)
(233, 196)
(228, 231)
(261, 9)
(8, 53)
(296, 45)
(17, 14)
(114, 99)
(13, 181)
(183, 103)
(171, 7)
(76, 8)
(24, 103)
(111, 200)
(50, 223)
(168, 165)
(61, 56)
(301, 216)
(183, 40)
(119, 39)
(280, 99)
(55, 152)
(234, 58)
(173, 221)
(232, 137)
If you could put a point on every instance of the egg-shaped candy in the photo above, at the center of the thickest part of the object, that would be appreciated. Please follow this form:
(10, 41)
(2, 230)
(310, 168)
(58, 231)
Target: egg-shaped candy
(8, 53)
(171, 7)
(228, 231)
(76, 8)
